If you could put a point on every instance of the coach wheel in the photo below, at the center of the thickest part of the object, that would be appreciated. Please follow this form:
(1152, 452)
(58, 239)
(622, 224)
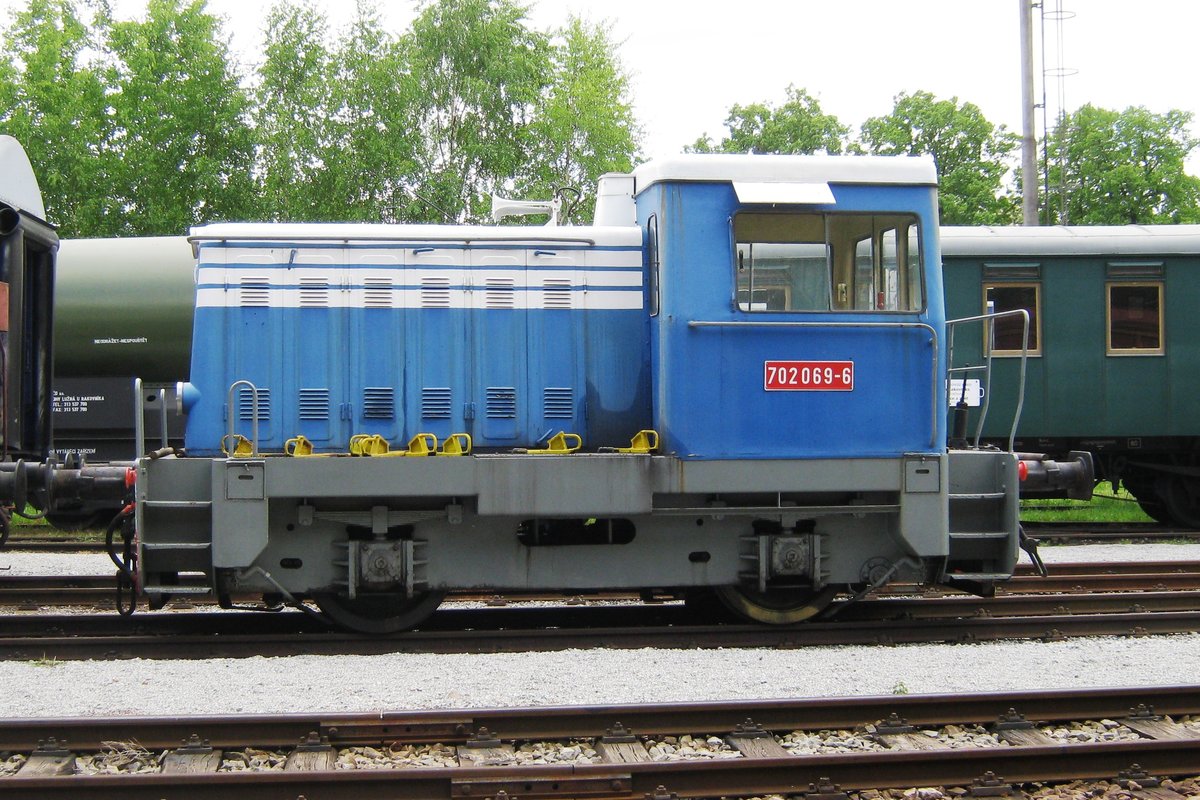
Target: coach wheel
(777, 607)
(1154, 508)
(379, 613)
(69, 521)
(1142, 489)
(1181, 498)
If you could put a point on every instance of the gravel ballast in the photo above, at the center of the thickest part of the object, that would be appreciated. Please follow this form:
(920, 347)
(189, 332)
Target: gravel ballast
(42, 688)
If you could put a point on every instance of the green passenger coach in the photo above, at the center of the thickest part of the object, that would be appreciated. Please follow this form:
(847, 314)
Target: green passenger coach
(1113, 364)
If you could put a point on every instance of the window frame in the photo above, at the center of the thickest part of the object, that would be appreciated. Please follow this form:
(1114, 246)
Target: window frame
(1035, 319)
(875, 237)
(1122, 352)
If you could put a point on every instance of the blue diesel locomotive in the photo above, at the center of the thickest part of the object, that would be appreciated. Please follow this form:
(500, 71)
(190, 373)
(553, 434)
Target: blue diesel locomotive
(381, 414)
(736, 381)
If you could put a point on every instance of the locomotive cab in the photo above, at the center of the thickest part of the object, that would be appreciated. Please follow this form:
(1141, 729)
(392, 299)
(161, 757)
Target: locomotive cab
(797, 335)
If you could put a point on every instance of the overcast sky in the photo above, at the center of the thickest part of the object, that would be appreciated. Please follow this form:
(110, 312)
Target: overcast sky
(690, 60)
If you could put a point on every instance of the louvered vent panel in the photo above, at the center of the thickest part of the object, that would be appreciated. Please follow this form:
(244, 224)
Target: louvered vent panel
(246, 404)
(501, 402)
(314, 292)
(379, 402)
(255, 291)
(378, 292)
(558, 403)
(435, 292)
(435, 403)
(314, 404)
(500, 293)
(557, 293)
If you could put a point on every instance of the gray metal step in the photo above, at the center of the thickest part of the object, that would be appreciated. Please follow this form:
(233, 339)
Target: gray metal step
(977, 535)
(174, 589)
(978, 576)
(176, 545)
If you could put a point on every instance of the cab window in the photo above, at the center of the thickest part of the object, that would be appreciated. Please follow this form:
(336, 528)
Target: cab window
(827, 262)
(1135, 322)
(1008, 332)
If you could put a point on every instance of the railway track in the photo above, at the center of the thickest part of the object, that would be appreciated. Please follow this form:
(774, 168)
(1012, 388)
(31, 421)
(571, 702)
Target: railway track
(1077, 532)
(37, 592)
(52, 545)
(487, 630)
(982, 745)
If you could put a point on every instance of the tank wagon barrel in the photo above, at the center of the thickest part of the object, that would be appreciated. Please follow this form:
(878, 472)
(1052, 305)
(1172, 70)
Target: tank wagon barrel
(737, 384)
(123, 308)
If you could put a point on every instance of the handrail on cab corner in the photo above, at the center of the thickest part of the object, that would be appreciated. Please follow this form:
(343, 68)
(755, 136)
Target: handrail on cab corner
(989, 330)
(231, 436)
(933, 337)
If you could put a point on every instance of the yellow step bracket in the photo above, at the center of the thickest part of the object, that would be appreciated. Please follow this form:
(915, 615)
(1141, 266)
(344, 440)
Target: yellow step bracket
(372, 444)
(456, 444)
(560, 443)
(298, 446)
(643, 442)
(423, 444)
(241, 446)
(369, 444)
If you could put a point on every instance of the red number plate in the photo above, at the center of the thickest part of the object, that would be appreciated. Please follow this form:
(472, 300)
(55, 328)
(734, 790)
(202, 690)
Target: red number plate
(808, 376)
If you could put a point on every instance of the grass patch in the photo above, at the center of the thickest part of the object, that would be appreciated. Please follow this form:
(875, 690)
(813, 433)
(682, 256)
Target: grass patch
(1105, 506)
(39, 529)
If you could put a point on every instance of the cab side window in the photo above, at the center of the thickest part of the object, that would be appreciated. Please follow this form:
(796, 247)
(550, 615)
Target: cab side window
(827, 262)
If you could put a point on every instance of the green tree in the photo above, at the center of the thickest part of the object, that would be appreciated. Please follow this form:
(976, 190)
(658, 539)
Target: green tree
(797, 126)
(1114, 168)
(53, 100)
(185, 143)
(972, 154)
(291, 116)
(584, 125)
(476, 74)
(375, 140)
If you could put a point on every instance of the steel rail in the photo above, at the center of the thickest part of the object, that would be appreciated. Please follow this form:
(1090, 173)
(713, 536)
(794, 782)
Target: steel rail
(1064, 577)
(453, 726)
(698, 779)
(532, 617)
(1178, 755)
(136, 641)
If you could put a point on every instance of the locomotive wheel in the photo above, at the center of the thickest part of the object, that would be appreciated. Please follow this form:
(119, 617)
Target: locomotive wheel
(379, 613)
(1181, 499)
(776, 608)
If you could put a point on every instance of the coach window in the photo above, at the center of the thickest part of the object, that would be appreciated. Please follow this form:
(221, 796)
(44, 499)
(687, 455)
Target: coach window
(827, 262)
(1008, 331)
(1135, 320)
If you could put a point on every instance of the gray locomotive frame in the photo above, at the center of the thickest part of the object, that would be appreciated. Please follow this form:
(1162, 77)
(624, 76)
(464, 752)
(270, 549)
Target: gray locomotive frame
(282, 525)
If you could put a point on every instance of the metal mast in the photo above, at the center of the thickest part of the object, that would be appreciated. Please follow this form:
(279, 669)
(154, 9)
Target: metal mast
(1029, 171)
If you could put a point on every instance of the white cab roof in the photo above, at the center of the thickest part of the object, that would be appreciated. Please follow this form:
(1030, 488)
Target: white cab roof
(917, 170)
